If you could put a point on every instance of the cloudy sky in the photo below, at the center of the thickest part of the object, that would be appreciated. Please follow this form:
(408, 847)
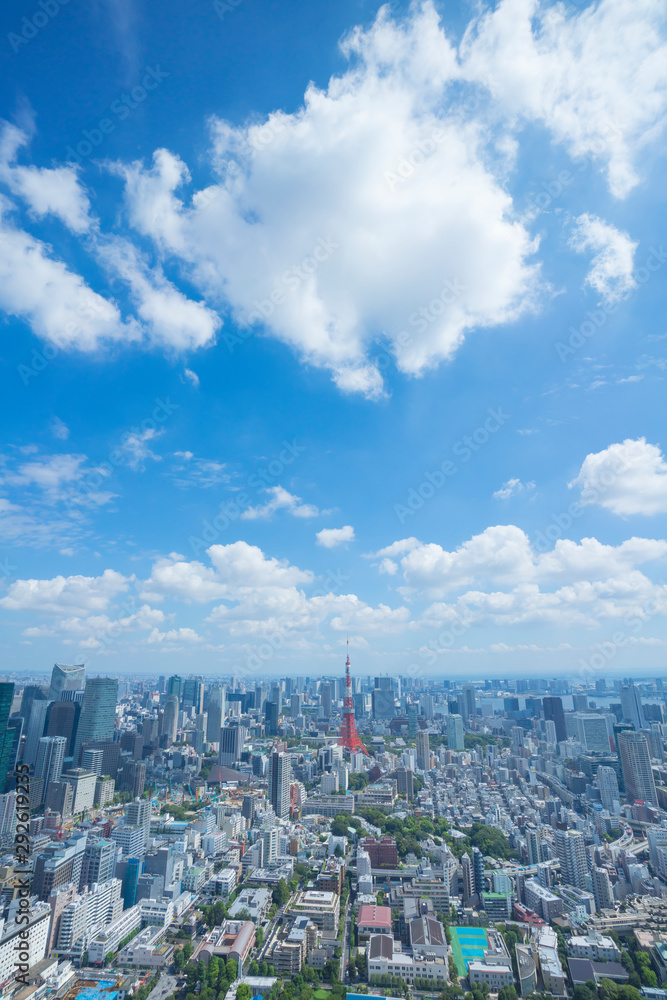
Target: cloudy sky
(334, 319)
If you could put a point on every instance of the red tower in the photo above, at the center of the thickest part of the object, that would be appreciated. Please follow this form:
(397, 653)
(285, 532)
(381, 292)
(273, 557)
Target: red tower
(349, 737)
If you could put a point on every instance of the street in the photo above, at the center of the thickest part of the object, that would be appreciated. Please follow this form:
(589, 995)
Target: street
(165, 985)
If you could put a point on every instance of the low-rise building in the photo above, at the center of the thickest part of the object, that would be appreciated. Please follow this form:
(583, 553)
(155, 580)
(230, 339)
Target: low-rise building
(385, 957)
(597, 947)
(373, 920)
(323, 908)
(256, 902)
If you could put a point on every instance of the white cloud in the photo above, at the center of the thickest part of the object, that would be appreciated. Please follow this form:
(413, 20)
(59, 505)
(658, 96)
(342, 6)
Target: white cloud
(511, 488)
(62, 478)
(47, 191)
(56, 302)
(192, 471)
(192, 377)
(180, 635)
(281, 499)
(236, 570)
(59, 429)
(134, 449)
(597, 78)
(504, 555)
(330, 537)
(76, 594)
(314, 231)
(169, 318)
(611, 273)
(96, 631)
(627, 478)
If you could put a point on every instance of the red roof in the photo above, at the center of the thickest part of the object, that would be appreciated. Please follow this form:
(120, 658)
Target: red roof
(374, 916)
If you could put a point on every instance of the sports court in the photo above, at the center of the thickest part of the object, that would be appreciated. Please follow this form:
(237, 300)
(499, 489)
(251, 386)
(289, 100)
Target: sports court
(468, 944)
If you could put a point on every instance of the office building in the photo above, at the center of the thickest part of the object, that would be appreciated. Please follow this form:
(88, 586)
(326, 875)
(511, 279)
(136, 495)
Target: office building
(170, 718)
(62, 719)
(66, 678)
(636, 767)
(325, 700)
(553, 711)
(608, 785)
(232, 739)
(423, 751)
(631, 705)
(592, 732)
(216, 713)
(50, 757)
(468, 702)
(455, 738)
(98, 713)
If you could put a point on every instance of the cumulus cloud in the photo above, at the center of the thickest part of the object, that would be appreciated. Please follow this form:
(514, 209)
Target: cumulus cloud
(511, 488)
(76, 594)
(503, 555)
(59, 429)
(612, 264)
(374, 207)
(597, 78)
(134, 450)
(281, 499)
(330, 537)
(626, 478)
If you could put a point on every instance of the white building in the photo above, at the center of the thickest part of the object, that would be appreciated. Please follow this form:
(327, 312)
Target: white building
(597, 947)
(24, 943)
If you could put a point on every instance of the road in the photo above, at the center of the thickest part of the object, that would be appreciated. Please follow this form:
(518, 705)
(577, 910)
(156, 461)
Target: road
(166, 984)
(347, 930)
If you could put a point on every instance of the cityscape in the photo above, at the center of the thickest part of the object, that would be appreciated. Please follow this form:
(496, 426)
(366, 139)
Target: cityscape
(333, 500)
(311, 837)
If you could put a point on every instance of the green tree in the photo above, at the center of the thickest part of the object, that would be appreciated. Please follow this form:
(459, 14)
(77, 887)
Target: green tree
(281, 893)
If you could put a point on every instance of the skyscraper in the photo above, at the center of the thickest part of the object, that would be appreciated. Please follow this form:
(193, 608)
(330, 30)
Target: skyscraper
(193, 693)
(592, 732)
(478, 870)
(631, 704)
(608, 785)
(271, 718)
(571, 851)
(62, 719)
(34, 730)
(325, 700)
(50, 757)
(170, 718)
(553, 710)
(216, 713)
(279, 779)
(232, 739)
(66, 678)
(98, 713)
(636, 767)
(423, 751)
(174, 686)
(602, 890)
(469, 701)
(533, 844)
(455, 738)
(6, 735)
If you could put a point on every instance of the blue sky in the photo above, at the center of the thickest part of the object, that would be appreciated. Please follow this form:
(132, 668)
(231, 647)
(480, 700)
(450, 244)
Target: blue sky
(318, 320)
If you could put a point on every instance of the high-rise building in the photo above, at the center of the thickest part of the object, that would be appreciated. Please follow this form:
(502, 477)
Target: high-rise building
(99, 861)
(608, 785)
(469, 700)
(383, 699)
(34, 730)
(478, 870)
(66, 678)
(602, 889)
(423, 751)
(50, 757)
(174, 685)
(636, 767)
(553, 711)
(534, 845)
(138, 813)
(295, 705)
(193, 694)
(571, 851)
(467, 879)
(405, 782)
(271, 718)
(216, 713)
(325, 700)
(62, 719)
(579, 702)
(170, 718)
(455, 738)
(592, 732)
(631, 705)
(232, 739)
(98, 712)
(279, 779)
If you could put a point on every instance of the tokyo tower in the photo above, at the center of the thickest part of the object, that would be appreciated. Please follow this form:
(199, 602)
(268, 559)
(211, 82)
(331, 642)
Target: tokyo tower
(349, 737)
